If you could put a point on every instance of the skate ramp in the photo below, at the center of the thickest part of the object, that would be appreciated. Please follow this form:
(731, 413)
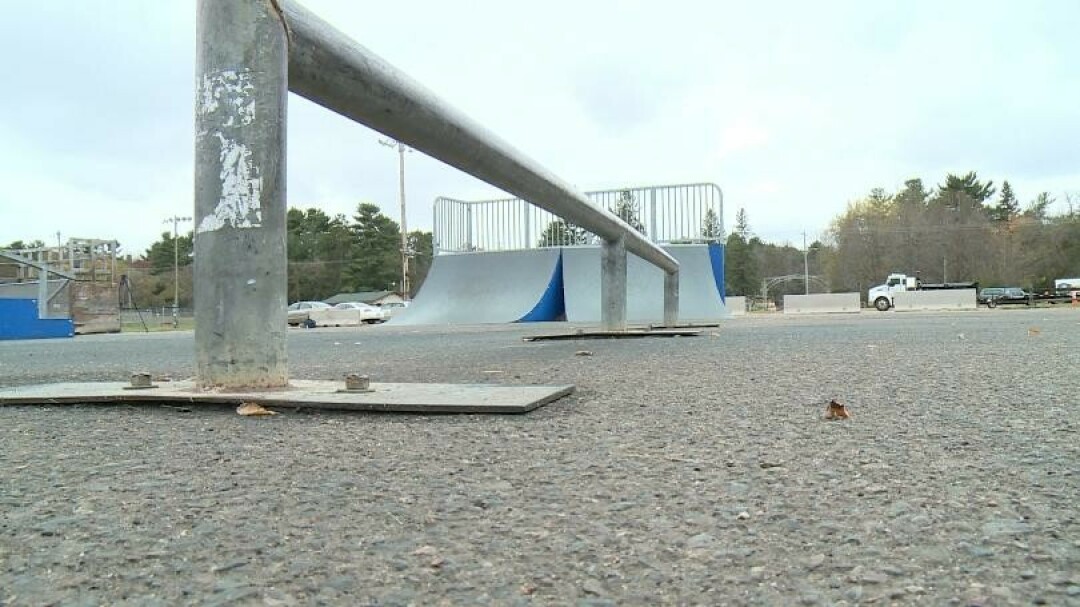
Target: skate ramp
(701, 280)
(495, 287)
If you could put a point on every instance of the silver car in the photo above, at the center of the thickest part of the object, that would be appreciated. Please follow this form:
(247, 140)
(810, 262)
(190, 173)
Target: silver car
(366, 313)
(300, 312)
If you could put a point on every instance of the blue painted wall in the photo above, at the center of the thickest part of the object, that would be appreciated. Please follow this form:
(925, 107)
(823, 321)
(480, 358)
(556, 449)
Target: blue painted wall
(716, 257)
(552, 306)
(19, 320)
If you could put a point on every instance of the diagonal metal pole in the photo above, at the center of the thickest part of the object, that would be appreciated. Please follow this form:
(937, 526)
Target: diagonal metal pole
(329, 69)
(240, 264)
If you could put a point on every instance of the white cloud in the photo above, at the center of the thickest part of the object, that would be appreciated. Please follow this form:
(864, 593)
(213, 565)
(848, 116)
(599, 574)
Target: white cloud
(792, 109)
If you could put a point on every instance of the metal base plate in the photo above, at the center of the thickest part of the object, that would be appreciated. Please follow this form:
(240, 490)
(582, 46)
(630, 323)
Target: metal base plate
(403, 398)
(629, 333)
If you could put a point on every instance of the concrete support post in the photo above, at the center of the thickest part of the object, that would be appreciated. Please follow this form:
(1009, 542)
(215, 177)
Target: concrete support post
(43, 290)
(671, 299)
(240, 264)
(613, 285)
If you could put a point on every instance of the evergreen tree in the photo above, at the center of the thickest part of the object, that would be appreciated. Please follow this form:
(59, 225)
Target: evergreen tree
(912, 198)
(741, 267)
(19, 245)
(376, 255)
(422, 253)
(1007, 207)
(742, 224)
(1039, 208)
(626, 210)
(969, 185)
(710, 227)
(879, 201)
(319, 249)
(560, 232)
(160, 254)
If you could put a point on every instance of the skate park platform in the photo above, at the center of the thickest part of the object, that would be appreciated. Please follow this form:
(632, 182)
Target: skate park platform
(562, 283)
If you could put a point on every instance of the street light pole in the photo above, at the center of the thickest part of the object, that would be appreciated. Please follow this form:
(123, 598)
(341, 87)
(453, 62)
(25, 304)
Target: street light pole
(404, 229)
(176, 267)
(806, 265)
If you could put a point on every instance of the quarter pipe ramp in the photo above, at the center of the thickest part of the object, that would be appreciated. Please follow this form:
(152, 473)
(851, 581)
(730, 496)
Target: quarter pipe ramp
(561, 284)
(495, 287)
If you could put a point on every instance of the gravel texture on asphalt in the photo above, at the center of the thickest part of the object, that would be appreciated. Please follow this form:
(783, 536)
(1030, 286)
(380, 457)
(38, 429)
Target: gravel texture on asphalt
(684, 471)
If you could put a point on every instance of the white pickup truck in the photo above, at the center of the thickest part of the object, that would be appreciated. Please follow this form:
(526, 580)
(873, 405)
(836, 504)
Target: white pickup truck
(881, 296)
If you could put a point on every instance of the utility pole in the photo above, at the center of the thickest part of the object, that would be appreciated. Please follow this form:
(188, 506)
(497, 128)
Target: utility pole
(404, 230)
(176, 267)
(805, 265)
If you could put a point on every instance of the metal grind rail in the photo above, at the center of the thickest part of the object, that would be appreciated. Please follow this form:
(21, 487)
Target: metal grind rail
(249, 55)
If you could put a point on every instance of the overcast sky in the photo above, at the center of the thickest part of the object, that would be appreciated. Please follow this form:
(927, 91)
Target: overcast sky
(793, 108)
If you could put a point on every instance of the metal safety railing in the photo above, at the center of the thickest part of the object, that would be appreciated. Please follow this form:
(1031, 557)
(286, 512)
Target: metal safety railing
(664, 214)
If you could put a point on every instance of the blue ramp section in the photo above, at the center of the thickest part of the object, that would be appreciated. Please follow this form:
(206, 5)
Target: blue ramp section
(19, 320)
(716, 257)
(552, 306)
(489, 287)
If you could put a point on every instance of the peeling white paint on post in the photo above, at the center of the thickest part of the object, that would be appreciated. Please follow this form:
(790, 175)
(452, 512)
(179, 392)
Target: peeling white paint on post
(232, 88)
(231, 92)
(240, 261)
(241, 190)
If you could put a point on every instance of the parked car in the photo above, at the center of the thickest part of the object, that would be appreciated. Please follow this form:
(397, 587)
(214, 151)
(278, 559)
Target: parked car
(300, 313)
(994, 296)
(393, 308)
(365, 312)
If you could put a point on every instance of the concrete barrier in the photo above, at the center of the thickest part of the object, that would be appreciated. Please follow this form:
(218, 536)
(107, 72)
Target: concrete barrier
(736, 306)
(947, 299)
(822, 303)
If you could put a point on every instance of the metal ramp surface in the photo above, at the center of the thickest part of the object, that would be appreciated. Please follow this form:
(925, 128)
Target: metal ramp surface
(489, 287)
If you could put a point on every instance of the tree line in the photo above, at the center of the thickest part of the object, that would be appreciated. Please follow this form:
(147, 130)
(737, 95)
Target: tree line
(964, 229)
(327, 255)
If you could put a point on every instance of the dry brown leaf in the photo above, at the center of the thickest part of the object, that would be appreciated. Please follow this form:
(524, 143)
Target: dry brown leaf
(253, 409)
(528, 589)
(1034, 331)
(837, 411)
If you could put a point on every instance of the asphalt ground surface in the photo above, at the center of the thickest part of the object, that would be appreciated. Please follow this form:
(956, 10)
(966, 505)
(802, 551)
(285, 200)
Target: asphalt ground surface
(684, 471)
